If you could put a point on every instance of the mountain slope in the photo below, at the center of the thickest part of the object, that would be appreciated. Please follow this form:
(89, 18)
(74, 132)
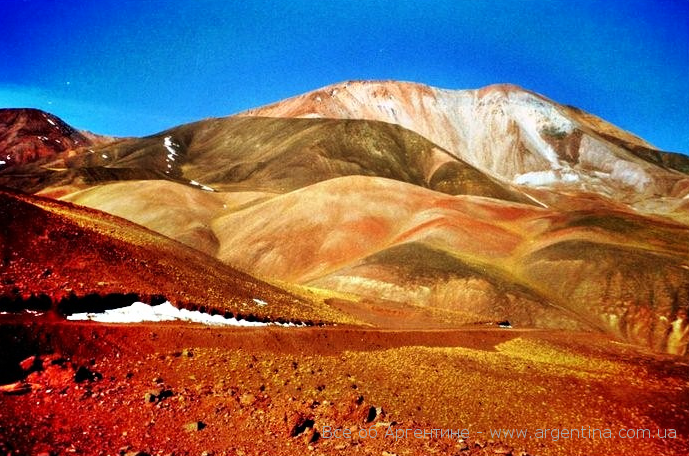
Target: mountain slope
(513, 134)
(241, 161)
(30, 134)
(580, 226)
(72, 254)
(273, 155)
(377, 238)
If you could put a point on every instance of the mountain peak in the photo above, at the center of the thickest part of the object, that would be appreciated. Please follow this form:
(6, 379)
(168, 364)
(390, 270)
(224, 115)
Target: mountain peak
(511, 133)
(27, 134)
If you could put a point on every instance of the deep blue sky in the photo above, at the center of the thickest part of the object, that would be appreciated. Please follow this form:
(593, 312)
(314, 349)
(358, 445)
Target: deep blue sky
(135, 67)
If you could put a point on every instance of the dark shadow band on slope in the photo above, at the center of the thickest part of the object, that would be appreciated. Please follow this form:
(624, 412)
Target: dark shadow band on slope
(479, 292)
(98, 303)
(644, 232)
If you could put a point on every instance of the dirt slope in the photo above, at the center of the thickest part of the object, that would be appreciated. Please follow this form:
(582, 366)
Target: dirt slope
(65, 252)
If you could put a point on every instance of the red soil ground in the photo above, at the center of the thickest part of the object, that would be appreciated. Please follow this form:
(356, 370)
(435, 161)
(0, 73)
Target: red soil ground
(144, 388)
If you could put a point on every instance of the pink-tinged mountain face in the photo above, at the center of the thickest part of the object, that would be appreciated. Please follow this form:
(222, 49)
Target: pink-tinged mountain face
(513, 134)
(30, 134)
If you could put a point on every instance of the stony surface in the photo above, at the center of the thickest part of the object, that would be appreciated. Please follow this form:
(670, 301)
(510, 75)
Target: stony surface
(283, 391)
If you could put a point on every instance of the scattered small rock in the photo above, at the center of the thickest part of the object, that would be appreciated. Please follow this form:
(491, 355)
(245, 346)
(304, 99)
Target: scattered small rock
(195, 426)
(187, 353)
(374, 413)
(298, 423)
(247, 399)
(30, 364)
(157, 395)
(311, 435)
(462, 446)
(16, 388)
(83, 374)
(204, 390)
(54, 360)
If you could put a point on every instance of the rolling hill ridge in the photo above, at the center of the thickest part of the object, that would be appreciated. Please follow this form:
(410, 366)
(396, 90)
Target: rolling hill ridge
(454, 207)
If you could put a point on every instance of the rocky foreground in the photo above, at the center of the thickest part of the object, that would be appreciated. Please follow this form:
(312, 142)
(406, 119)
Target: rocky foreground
(94, 389)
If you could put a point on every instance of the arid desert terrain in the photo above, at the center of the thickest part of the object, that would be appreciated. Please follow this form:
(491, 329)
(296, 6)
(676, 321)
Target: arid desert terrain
(392, 269)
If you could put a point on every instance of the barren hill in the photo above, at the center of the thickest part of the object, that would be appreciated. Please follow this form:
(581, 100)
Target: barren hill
(412, 202)
(511, 133)
(57, 256)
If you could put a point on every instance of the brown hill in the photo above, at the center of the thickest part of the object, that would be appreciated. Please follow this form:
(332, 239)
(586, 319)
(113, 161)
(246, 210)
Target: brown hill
(60, 256)
(240, 161)
(27, 135)
(263, 154)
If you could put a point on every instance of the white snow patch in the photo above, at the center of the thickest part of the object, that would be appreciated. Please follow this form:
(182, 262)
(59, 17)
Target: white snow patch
(260, 302)
(104, 156)
(203, 187)
(3, 162)
(140, 312)
(170, 144)
(50, 121)
(536, 178)
(535, 116)
(545, 178)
